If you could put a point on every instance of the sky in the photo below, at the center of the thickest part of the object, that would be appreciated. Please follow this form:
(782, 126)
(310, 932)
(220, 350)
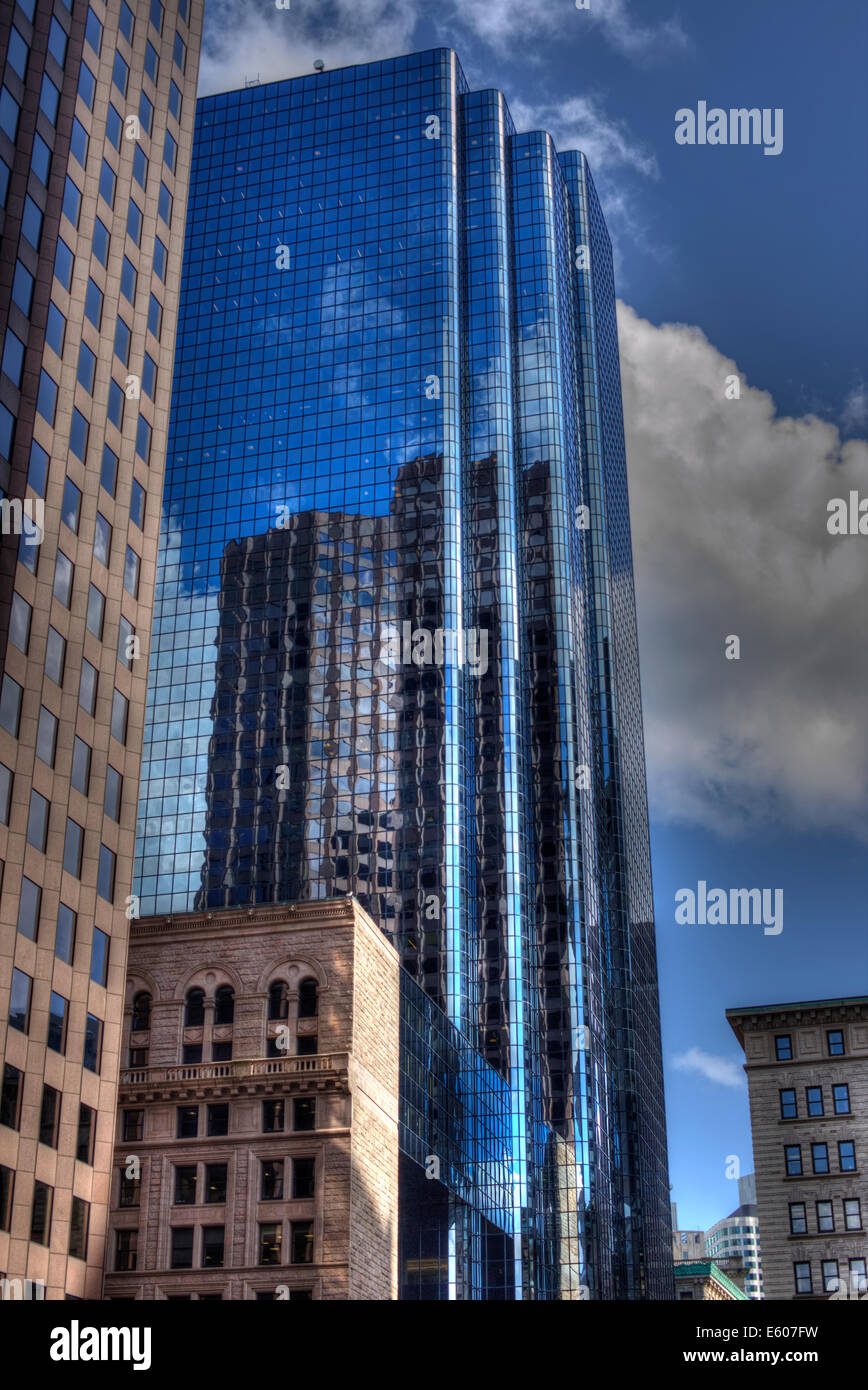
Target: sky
(730, 264)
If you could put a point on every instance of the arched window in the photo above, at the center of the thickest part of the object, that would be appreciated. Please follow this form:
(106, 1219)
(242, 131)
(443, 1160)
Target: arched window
(194, 1014)
(224, 1004)
(307, 991)
(278, 1000)
(141, 1011)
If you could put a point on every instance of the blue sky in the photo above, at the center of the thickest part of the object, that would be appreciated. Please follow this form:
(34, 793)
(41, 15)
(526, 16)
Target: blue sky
(728, 261)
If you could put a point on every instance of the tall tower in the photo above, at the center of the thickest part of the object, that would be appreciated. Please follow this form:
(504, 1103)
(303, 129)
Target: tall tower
(395, 642)
(97, 107)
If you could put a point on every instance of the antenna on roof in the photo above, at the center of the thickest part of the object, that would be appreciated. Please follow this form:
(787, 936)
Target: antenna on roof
(318, 64)
(252, 81)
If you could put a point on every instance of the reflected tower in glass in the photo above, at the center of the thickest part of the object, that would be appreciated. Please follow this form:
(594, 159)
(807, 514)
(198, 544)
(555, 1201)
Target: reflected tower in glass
(395, 645)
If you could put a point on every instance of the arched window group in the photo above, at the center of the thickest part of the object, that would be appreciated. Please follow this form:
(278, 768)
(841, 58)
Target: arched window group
(224, 1006)
(278, 999)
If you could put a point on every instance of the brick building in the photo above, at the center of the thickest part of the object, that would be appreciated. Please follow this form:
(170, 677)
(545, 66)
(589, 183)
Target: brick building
(257, 1142)
(807, 1070)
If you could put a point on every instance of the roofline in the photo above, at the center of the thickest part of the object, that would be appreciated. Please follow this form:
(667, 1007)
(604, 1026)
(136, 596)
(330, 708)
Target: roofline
(743, 1010)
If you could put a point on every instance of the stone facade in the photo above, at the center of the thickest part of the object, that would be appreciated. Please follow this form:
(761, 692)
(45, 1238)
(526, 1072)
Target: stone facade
(335, 1046)
(807, 1070)
(704, 1280)
(77, 313)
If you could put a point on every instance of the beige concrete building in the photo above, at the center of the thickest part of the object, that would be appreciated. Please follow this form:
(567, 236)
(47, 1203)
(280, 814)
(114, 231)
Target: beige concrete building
(807, 1070)
(257, 1142)
(703, 1280)
(95, 148)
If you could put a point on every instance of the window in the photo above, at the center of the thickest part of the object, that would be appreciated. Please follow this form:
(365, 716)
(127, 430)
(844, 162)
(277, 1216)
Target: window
(141, 1019)
(6, 780)
(120, 74)
(170, 152)
(218, 1120)
(95, 611)
(140, 167)
(175, 101)
(784, 1047)
(10, 112)
(37, 822)
(270, 1238)
(134, 222)
(825, 1216)
(155, 316)
(835, 1042)
(224, 1004)
(79, 1220)
(187, 1121)
(846, 1156)
(22, 288)
(17, 53)
(46, 399)
(131, 572)
(57, 1011)
(125, 1251)
(146, 113)
(127, 21)
(31, 223)
(185, 1185)
(272, 1116)
(301, 1242)
(793, 1154)
(814, 1095)
(221, 1052)
(72, 847)
(129, 277)
(307, 999)
(123, 338)
(112, 799)
(63, 264)
(152, 62)
(149, 376)
(841, 1099)
(182, 1247)
(93, 303)
(46, 736)
(120, 705)
(109, 472)
(215, 1183)
(820, 1158)
(13, 357)
(10, 705)
(71, 206)
(303, 1177)
(37, 472)
(304, 1114)
(156, 15)
(858, 1276)
(102, 539)
(78, 433)
(86, 368)
(164, 204)
(108, 182)
(101, 240)
(212, 1246)
(129, 1190)
(132, 1126)
(798, 1219)
(5, 175)
(86, 1134)
(10, 1099)
(194, 1012)
(92, 1043)
(49, 1117)
(19, 1003)
(191, 1054)
(40, 1213)
(852, 1214)
(63, 576)
(179, 53)
(830, 1276)
(40, 160)
(93, 32)
(802, 1273)
(57, 41)
(116, 404)
(114, 127)
(160, 259)
(789, 1110)
(137, 505)
(7, 1190)
(55, 656)
(271, 1189)
(143, 439)
(105, 877)
(99, 957)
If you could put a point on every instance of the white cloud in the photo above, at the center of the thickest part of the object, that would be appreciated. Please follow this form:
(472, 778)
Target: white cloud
(502, 23)
(579, 123)
(729, 510)
(854, 415)
(719, 1070)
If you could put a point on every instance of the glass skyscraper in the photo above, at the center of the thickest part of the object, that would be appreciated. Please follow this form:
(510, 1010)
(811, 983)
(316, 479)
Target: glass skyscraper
(394, 650)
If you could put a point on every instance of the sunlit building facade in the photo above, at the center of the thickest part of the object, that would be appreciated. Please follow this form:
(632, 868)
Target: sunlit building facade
(395, 650)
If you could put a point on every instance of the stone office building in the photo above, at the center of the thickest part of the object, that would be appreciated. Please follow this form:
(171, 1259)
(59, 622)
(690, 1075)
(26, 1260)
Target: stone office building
(807, 1069)
(257, 1141)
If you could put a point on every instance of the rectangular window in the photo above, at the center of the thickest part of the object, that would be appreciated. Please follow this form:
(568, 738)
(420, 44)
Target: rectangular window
(143, 439)
(7, 1192)
(270, 1238)
(49, 98)
(121, 74)
(846, 1156)
(86, 373)
(129, 1190)
(19, 1002)
(31, 223)
(123, 338)
(71, 205)
(146, 113)
(137, 505)
(301, 1240)
(152, 62)
(108, 182)
(858, 1276)
(79, 1219)
(40, 1214)
(303, 1177)
(102, 539)
(175, 101)
(793, 1153)
(18, 53)
(132, 1126)
(93, 32)
(101, 241)
(19, 623)
(841, 1099)
(182, 1247)
(113, 790)
(105, 881)
(134, 222)
(157, 15)
(40, 160)
(63, 578)
(798, 1219)
(802, 1273)
(271, 1188)
(830, 1276)
(179, 53)
(212, 1246)
(95, 611)
(164, 204)
(55, 656)
(57, 41)
(22, 288)
(820, 1158)
(86, 86)
(6, 781)
(10, 705)
(116, 404)
(87, 687)
(93, 303)
(57, 1012)
(78, 435)
(80, 775)
(10, 1100)
(155, 316)
(187, 1121)
(852, 1214)
(46, 399)
(86, 1136)
(55, 329)
(835, 1042)
(109, 473)
(49, 1117)
(191, 1054)
(185, 1185)
(160, 259)
(129, 278)
(170, 151)
(120, 706)
(37, 471)
(825, 1216)
(272, 1116)
(814, 1096)
(789, 1110)
(127, 22)
(114, 127)
(92, 1043)
(304, 1114)
(126, 1251)
(10, 112)
(215, 1183)
(72, 846)
(140, 167)
(37, 822)
(13, 357)
(46, 736)
(784, 1047)
(218, 1119)
(99, 957)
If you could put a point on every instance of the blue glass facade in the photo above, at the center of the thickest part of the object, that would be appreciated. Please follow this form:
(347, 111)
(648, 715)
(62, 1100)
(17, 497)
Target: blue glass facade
(394, 650)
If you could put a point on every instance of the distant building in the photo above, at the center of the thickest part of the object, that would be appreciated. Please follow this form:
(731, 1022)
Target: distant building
(688, 1245)
(807, 1070)
(703, 1279)
(736, 1238)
